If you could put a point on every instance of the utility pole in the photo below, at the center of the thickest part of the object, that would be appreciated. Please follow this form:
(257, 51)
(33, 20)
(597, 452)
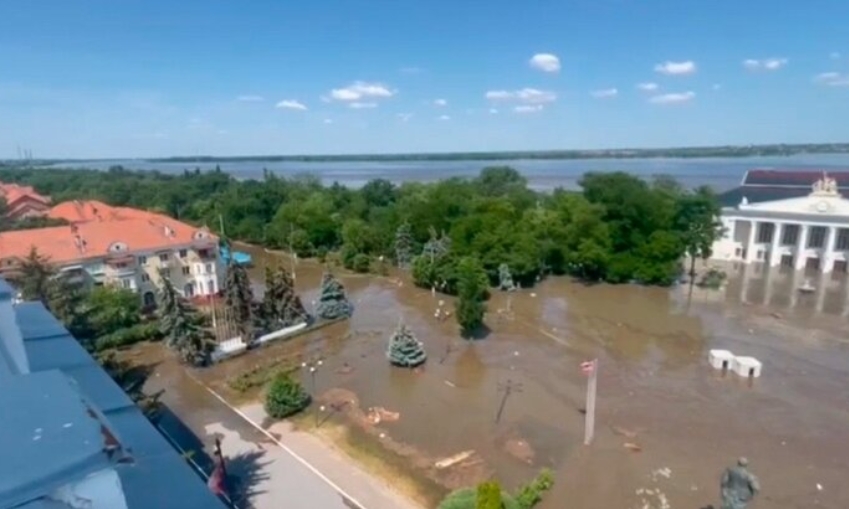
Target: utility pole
(313, 366)
(508, 389)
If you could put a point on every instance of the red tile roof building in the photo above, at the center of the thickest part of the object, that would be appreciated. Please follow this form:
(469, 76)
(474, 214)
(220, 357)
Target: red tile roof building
(23, 201)
(121, 245)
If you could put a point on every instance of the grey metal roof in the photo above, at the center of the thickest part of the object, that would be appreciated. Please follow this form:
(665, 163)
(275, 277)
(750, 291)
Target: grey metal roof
(47, 437)
(157, 478)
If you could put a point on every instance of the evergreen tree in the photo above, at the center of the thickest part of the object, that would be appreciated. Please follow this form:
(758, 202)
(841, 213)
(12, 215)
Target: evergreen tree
(33, 277)
(238, 299)
(281, 307)
(437, 246)
(505, 278)
(471, 290)
(332, 303)
(285, 397)
(404, 349)
(180, 325)
(403, 245)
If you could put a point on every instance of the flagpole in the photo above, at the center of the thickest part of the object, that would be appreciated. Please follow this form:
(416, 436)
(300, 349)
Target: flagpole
(589, 416)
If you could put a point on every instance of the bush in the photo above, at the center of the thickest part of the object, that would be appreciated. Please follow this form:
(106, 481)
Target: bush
(129, 336)
(285, 397)
(467, 498)
(531, 494)
(361, 263)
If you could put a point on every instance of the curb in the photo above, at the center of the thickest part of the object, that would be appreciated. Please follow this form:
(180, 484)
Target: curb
(283, 446)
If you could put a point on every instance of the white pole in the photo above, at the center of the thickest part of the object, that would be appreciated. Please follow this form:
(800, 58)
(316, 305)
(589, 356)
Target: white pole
(589, 417)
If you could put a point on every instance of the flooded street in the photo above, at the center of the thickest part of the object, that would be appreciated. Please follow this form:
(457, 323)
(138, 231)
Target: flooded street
(683, 423)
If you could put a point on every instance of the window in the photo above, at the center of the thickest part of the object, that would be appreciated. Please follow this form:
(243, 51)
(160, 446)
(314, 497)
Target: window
(163, 257)
(121, 265)
(842, 243)
(145, 278)
(183, 253)
(765, 232)
(760, 254)
(209, 268)
(816, 237)
(187, 271)
(127, 283)
(790, 235)
(142, 260)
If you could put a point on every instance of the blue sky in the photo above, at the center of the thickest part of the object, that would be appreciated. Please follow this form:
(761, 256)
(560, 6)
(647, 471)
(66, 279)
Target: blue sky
(142, 78)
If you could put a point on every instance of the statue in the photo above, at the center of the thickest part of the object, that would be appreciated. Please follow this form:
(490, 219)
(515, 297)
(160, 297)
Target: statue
(739, 486)
(826, 186)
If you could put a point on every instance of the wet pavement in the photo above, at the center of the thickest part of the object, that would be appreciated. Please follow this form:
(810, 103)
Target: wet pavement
(264, 469)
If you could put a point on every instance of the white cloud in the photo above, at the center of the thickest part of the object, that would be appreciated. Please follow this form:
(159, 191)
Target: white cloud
(444, 117)
(605, 93)
(716, 86)
(528, 108)
(250, 98)
(769, 64)
(361, 90)
(648, 86)
(674, 98)
(328, 120)
(835, 55)
(493, 111)
(833, 79)
(291, 104)
(405, 117)
(525, 95)
(676, 68)
(411, 70)
(440, 102)
(362, 106)
(545, 62)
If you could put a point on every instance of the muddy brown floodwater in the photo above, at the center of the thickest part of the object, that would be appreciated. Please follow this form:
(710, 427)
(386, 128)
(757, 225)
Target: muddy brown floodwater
(667, 425)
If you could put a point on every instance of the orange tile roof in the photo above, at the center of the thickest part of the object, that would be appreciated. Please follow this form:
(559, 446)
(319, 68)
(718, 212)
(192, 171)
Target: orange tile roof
(139, 230)
(14, 192)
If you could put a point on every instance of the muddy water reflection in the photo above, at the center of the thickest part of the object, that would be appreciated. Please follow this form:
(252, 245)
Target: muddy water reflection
(652, 345)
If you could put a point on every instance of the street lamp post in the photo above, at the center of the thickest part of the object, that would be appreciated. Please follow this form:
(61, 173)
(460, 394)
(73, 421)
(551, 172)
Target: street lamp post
(313, 366)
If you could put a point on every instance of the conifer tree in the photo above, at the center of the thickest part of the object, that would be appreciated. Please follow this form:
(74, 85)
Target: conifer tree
(505, 278)
(403, 245)
(332, 302)
(280, 305)
(180, 324)
(33, 277)
(404, 349)
(238, 299)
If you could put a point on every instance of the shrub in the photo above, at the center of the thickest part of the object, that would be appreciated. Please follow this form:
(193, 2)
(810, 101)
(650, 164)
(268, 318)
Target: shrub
(129, 336)
(361, 263)
(285, 397)
(467, 498)
(531, 494)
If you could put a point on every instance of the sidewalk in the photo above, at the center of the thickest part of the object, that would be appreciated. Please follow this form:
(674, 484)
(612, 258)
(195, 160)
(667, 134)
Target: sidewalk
(278, 467)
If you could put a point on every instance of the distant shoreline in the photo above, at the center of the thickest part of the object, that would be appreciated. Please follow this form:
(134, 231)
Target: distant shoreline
(776, 150)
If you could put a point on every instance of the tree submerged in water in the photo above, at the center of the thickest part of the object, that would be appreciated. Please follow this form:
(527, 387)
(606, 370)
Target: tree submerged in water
(238, 299)
(281, 307)
(505, 278)
(403, 245)
(404, 349)
(181, 326)
(332, 302)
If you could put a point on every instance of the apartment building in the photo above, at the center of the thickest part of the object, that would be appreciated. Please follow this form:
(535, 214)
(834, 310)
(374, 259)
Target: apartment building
(23, 201)
(123, 246)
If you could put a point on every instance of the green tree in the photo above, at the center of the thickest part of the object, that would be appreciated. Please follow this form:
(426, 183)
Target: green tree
(403, 245)
(110, 308)
(285, 397)
(33, 277)
(471, 292)
(332, 301)
(467, 498)
(404, 349)
(281, 307)
(697, 218)
(180, 324)
(238, 300)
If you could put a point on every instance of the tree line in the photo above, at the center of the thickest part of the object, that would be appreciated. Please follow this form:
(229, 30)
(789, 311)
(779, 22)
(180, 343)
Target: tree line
(618, 229)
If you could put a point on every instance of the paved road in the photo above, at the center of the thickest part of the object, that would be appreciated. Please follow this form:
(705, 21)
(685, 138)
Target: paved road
(269, 470)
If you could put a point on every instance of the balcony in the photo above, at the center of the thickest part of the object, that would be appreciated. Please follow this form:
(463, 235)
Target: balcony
(123, 265)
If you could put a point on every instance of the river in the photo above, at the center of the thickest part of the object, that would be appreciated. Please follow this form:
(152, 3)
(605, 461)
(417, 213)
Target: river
(719, 173)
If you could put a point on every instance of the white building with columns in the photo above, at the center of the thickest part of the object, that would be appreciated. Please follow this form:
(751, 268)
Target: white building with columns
(810, 231)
